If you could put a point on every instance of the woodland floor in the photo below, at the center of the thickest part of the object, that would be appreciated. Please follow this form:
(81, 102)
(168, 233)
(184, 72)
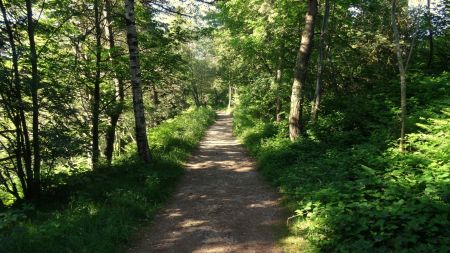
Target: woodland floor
(221, 205)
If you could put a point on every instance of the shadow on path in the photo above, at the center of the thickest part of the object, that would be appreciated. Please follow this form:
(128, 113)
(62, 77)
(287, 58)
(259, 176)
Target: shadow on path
(221, 204)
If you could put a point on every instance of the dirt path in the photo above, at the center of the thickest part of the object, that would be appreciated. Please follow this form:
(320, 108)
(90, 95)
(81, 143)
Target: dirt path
(221, 205)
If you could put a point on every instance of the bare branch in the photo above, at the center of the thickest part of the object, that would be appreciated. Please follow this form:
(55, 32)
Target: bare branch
(167, 9)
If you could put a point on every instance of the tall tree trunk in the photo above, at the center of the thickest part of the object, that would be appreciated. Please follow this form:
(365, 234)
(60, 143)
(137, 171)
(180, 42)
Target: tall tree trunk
(430, 34)
(23, 149)
(277, 90)
(96, 95)
(196, 96)
(230, 96)
(118, 82)
(301, 66)
(35, 180)
(138, 103)
(155, 96)
(402, 71)
(322, 43)
(279, 76)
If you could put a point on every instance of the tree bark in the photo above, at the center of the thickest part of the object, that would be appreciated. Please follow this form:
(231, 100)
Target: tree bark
(301, 66)
(96, 94)
(155, 97)
(35, 179)
(322, 43)
(430, 35)
(138, 103)
(402, 71)
(118, 82)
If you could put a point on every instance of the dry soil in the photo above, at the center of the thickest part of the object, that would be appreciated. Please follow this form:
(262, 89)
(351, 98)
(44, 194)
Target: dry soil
(221, 205)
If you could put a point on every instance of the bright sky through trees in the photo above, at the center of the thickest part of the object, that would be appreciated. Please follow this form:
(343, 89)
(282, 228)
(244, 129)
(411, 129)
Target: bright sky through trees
(189, 8)
(422, 3)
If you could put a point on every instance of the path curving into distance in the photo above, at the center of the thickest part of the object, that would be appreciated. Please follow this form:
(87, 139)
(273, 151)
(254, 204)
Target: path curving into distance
(221, 205)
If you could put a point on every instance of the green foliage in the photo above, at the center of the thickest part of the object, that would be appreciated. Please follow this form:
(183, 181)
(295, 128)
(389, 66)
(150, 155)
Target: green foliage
(347, 184)
(97, 211)
(66, 43)
(180, 133)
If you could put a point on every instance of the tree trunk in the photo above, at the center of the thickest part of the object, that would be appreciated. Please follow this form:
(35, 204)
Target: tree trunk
(118, 82)
(279, 77)
(230, 96)
(23, 149)
(35, 179)
(196, 96)
(430, 34)
(277, 90)
(96, 95)
(402, 71)
(155, 96)
(138, 103)
(301, 66)
(322, 43)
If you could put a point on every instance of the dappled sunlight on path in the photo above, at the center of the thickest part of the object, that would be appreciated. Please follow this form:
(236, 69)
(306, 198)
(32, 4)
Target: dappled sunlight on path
(221, 205)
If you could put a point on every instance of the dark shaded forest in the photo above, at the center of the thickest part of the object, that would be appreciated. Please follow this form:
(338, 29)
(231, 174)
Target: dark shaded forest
(345, 106)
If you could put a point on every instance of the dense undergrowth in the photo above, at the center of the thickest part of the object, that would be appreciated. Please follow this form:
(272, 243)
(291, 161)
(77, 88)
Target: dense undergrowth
(348, 186)
(97, 211)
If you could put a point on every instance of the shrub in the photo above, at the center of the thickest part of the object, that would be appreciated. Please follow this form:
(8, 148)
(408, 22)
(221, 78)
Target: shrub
(351, 190)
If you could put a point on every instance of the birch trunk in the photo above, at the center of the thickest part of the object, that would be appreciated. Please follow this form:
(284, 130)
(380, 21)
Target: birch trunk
(277, 90)
(430, 34)
(138, 103)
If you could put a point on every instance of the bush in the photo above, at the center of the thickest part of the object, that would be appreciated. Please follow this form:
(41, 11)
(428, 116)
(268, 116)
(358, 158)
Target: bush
(350, 189)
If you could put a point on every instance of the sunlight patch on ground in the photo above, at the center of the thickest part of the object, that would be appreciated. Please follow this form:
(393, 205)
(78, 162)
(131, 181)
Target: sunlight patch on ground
(263, 204)
(296, 242)
(191, 222)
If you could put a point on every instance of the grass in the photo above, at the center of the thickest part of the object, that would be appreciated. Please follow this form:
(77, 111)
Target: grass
(349, 189)
(98, 211)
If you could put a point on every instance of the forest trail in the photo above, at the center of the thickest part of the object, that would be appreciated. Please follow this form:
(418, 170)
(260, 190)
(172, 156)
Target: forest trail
(221, 205)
